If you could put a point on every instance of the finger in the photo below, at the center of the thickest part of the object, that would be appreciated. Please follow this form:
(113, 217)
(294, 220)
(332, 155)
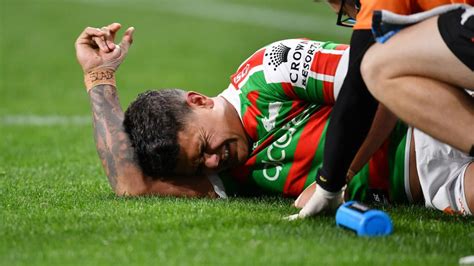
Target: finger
(111, 30)
(114, 28)
(127, 39)
(100, 42)
(305, 196)
(108, 39)
(86, 36)
(291, 217)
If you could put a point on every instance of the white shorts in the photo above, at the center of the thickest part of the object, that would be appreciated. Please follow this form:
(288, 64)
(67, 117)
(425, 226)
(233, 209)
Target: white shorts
(441, 170)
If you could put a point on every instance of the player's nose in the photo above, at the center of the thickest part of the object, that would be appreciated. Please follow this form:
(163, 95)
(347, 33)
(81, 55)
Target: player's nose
(211, 161)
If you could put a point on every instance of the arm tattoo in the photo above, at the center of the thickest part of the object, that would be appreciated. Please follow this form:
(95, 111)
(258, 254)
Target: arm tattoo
(113, 146)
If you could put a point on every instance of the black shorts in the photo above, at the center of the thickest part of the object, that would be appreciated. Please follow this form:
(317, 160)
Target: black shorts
(458, 37)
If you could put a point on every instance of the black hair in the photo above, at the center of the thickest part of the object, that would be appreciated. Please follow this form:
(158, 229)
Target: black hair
(152, 123)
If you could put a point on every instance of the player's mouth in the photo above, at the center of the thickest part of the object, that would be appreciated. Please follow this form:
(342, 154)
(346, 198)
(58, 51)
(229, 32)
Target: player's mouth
(226, 156)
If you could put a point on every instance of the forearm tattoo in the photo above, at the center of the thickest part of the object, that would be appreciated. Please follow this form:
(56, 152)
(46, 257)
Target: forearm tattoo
(113, 145)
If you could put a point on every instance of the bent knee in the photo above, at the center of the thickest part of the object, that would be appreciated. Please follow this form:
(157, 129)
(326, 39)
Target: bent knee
(376, 69)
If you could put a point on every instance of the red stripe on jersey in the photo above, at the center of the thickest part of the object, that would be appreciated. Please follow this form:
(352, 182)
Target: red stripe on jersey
(325, 63)
(289, 90)
(255, 60)
(297, 106)
(251, 114)
(379, 169)
(328, 92)
(305, 150)
(341, 47)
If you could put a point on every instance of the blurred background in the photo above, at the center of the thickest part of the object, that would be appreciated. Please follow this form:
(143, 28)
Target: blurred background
(194, 45)
(56, 206)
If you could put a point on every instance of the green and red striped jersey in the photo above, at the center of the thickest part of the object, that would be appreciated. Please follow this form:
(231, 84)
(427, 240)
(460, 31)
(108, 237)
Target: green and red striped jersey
(284, 95)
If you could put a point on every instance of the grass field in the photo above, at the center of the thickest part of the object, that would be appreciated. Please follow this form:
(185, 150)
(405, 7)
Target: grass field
(56, 207)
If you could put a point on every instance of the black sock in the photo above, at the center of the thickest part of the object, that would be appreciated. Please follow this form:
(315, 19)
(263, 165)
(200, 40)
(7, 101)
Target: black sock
(471, 153)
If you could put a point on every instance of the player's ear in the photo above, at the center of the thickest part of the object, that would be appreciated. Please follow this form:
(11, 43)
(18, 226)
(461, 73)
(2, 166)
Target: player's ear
(196, 99)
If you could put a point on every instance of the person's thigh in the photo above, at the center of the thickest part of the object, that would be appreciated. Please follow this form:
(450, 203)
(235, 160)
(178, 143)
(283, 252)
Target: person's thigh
(418, 50)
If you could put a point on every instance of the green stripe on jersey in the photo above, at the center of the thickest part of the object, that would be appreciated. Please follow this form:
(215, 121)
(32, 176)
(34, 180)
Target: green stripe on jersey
(315, 94)
(275, 161)
(397, 152)
(358, 186)
(330, 45)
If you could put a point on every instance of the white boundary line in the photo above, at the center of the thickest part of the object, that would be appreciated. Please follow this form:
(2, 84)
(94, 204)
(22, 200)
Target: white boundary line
(45, 120)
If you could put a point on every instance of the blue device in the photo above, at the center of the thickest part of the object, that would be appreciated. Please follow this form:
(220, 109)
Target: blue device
(364, 221)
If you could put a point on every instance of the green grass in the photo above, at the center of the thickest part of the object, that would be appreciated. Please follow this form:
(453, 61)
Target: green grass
(56, 207)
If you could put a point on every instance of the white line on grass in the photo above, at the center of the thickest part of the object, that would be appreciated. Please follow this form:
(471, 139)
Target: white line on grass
(45, 120)
(236, 13)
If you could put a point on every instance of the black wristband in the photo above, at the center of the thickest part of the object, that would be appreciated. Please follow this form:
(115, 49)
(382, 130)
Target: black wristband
(331, 185)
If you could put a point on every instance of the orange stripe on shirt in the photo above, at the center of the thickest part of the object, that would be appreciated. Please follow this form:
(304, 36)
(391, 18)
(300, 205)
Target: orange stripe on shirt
(402, 7)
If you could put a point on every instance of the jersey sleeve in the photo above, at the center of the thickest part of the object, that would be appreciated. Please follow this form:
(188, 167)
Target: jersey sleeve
(297, 69)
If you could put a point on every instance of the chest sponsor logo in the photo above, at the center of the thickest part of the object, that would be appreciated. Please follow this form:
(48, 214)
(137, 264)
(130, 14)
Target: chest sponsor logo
(278, 55)
(302, 58)
(290, 61)
(276, 154)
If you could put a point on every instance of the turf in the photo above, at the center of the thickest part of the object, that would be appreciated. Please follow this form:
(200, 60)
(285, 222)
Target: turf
(56, 207)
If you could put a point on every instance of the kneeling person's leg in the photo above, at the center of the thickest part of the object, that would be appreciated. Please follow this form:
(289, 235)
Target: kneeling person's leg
(417, 76)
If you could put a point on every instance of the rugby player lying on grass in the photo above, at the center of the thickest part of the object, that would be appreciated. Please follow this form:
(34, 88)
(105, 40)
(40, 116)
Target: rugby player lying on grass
(262, 135)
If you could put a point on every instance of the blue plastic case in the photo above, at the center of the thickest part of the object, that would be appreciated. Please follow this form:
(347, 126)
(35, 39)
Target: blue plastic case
(364, 221)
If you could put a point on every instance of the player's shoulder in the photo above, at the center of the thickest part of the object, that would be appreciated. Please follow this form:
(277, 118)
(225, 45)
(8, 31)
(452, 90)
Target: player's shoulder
(292, 43)
(278, 51)
(285, 61)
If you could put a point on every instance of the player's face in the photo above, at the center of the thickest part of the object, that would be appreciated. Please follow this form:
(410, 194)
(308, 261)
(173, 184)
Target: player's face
(212, 141)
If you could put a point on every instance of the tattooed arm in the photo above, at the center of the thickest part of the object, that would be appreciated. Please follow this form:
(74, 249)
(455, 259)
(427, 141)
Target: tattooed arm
(113, 146)
(99, 58)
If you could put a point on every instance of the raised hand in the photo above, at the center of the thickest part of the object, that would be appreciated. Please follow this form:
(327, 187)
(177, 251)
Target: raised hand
(95, 48)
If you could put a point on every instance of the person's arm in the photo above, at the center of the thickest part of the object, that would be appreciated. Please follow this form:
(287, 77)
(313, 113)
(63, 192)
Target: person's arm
(383, 124)
(100, 57)
(112, 144)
